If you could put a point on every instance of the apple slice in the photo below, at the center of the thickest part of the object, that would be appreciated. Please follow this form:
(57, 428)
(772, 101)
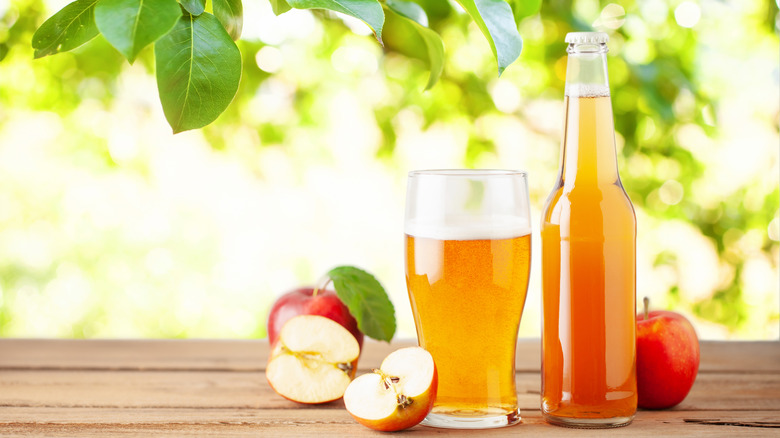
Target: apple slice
(396, 396)
(313, 360)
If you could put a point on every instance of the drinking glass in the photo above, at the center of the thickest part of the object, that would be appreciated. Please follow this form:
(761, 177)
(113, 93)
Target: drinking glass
(468, 254)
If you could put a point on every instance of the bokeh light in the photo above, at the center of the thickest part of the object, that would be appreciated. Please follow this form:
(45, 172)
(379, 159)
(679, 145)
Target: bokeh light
(687, 14)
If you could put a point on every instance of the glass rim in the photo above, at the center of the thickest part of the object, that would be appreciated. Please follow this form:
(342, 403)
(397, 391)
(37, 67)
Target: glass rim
(468, 172)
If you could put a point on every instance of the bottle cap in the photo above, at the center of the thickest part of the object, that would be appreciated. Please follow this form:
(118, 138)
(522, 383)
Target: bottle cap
(587, 38)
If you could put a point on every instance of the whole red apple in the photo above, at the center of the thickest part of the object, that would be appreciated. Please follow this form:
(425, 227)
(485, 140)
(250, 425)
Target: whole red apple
(667, 358)
(304, 302)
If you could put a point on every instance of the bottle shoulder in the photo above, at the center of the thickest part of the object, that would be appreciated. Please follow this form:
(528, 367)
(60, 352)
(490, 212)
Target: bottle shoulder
(594, 206)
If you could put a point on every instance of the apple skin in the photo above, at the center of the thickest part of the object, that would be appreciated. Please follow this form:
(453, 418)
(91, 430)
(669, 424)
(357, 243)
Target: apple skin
(667, 361)
(301, 302)
(405, 418)
(410, 416)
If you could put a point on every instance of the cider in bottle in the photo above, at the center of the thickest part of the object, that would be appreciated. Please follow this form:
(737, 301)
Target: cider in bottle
(588, 259)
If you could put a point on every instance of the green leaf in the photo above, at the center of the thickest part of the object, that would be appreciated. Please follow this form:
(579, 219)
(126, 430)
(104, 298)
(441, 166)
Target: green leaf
(524, 8)
(131, 25)
(231, 14)
(435, 46)
(410, 10)
(366, 300)
(494, 18)
(370, 11)
(198, 71)
(69, 28)
(3, 51)
(194, 7)
(280, 6)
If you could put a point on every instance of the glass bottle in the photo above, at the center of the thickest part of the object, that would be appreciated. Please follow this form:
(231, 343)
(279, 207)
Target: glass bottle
(588, 259)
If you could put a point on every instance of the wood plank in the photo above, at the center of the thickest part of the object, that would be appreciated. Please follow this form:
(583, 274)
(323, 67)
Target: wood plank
(158, 354)
(245, 390)
(252, 355)
(133, 354)
(213, 422)
(217, 388)
(754, 356)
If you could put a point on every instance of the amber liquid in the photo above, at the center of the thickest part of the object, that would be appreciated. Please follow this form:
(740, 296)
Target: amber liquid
(467, 297)
(588, 277)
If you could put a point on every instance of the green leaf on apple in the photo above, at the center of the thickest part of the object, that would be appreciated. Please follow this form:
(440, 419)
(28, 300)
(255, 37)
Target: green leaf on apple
(366, 300)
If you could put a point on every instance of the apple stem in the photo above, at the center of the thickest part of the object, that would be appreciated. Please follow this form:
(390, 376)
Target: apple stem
(322, 287)
(646, 301)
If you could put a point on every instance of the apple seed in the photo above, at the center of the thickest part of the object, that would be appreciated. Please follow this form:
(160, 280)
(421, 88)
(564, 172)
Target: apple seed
(404, 401)
(308, 356)
(389, 382)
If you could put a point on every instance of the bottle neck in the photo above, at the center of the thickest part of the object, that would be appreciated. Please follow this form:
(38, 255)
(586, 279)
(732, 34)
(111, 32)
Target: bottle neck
(586, 70)
(588, 153)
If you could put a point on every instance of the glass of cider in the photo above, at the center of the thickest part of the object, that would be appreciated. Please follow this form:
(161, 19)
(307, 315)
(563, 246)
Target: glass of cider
(468, 255)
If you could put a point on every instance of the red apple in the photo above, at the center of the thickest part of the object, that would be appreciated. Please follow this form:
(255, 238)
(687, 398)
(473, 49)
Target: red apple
(667, 361)
(304, 302)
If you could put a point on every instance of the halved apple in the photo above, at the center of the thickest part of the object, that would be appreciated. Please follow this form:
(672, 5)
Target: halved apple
(313, 360)
(396, 396)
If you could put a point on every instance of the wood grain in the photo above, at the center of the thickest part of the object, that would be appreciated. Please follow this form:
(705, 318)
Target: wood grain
(252, 355)
(218, 388)
(232, 390)
(308, 422)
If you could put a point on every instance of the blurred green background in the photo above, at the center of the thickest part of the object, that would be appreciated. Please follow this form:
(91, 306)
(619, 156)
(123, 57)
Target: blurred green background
(112, 227)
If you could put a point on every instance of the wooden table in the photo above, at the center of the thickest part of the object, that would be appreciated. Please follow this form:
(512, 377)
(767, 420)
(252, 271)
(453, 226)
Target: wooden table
(215, 388)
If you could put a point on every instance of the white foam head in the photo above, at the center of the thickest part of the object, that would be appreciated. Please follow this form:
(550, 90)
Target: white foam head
(467, 204)
(469, 228)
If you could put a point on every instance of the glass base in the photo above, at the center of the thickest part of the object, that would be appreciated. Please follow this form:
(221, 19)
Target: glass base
(459, 419)
(588, 423)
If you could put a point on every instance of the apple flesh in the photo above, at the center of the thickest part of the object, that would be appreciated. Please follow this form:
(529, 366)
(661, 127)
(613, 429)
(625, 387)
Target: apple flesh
(303, 302)
(313, 360)
(667, 359)
(396, 396)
